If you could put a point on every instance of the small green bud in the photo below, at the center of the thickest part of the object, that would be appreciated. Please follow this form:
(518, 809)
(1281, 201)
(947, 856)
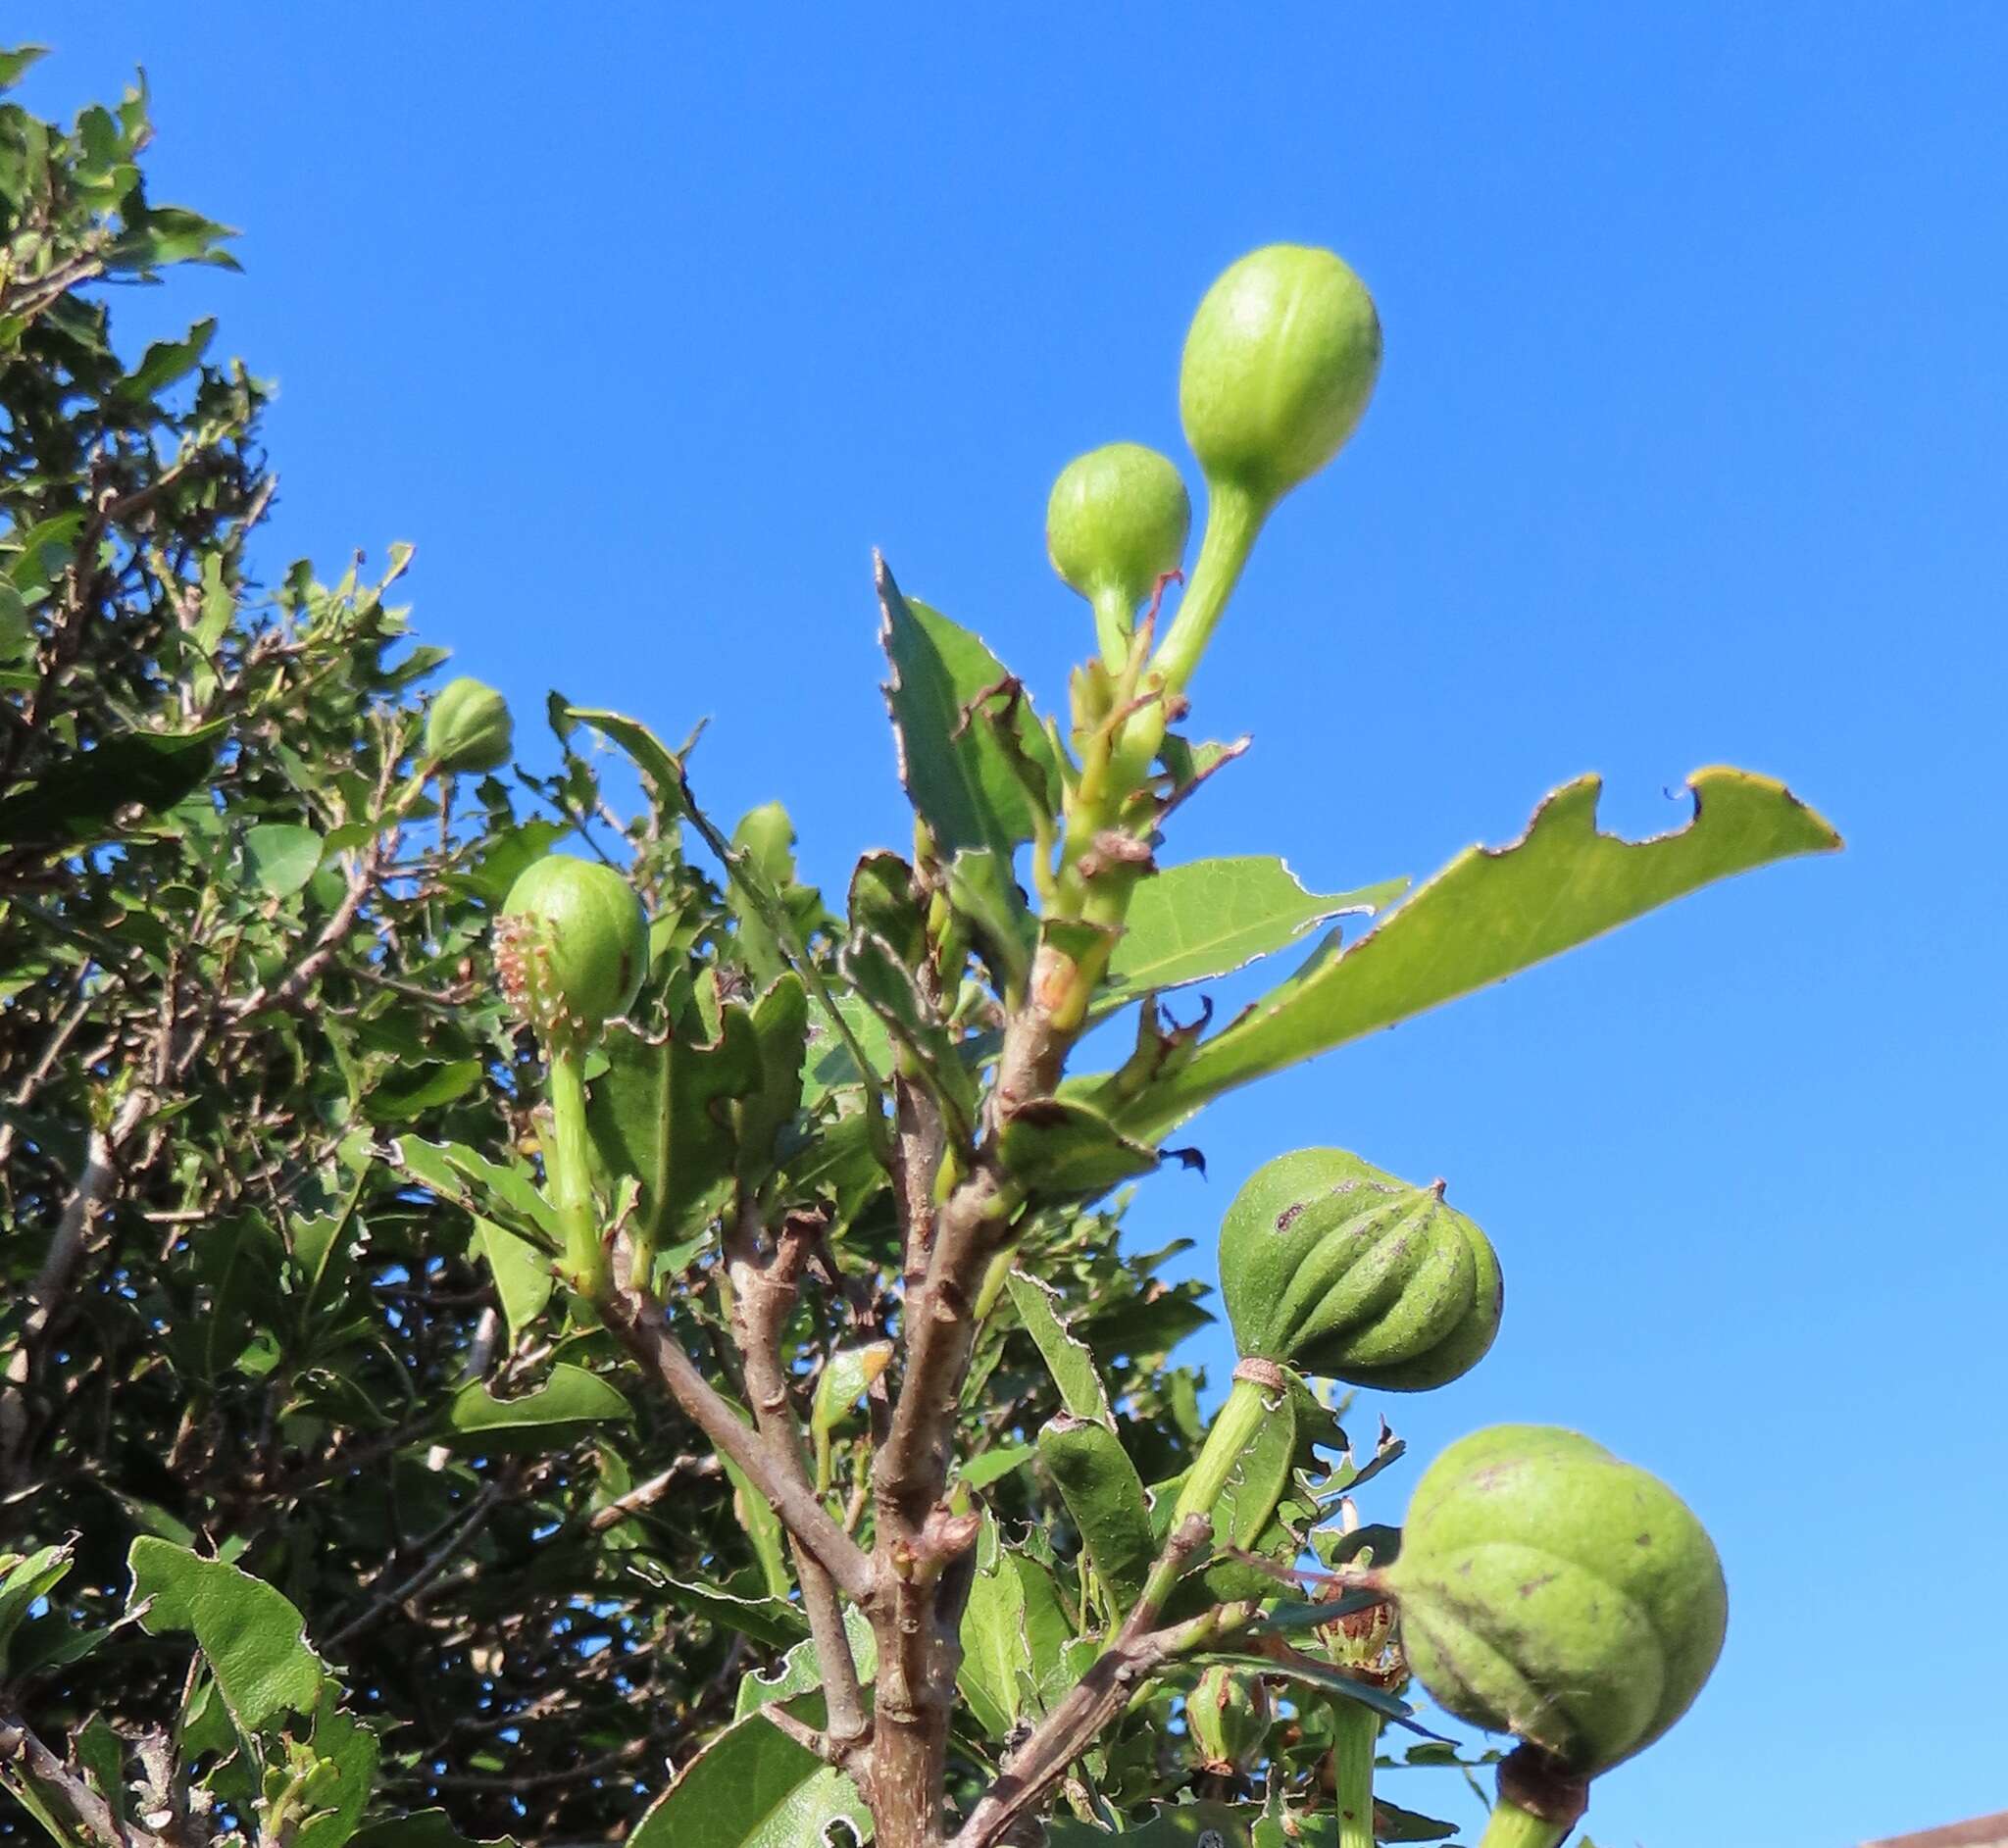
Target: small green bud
(468, 727)
(572, 945)
(1117, 522)
(1551, 1591)
(1227, 1715)
(1279, 366)
(1332, 1265)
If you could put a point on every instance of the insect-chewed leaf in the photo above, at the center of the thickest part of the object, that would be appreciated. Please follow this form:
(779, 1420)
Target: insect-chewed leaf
(752, 1788)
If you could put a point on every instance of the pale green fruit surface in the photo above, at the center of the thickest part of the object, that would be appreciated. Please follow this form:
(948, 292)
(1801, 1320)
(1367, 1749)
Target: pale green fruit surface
(1117, 521)
(1551, 1591)
(1227, 1715)
(574, 943)
(1279, 363)
(468, 727)
(1328, 1265)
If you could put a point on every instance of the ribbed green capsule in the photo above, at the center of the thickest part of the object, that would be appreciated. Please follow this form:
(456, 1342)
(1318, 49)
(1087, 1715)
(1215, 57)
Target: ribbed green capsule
(1551, 1591)
(572, 945)
(468, 727)
(1227, 1715)
(1331, 1266)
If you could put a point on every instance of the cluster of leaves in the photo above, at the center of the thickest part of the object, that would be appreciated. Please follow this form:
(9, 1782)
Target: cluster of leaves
(248, 1005)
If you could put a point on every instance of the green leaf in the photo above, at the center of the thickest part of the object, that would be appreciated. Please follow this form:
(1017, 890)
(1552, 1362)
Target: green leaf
(1104, 1497)
(485, 1188)
(1324, 1677)
(72, 805)
(780, 1033)
(422, 1828)
(959, 776)
(661, 1113)
(1062, 1149)
(21, 1582)
(250, 1635)
(1487, 914)
(1209, 918)
(994, 1466)
(164, 363)
(1014, 1634)
(1175, 1826)
(772, 1621)
(1067, 1358)
(280, 857)
(753, 1788)
(408, 1091)
(662, 769)
(569, 1403)
(523, 1276)
(800, 1670)
(347, 1755)
(14, 63)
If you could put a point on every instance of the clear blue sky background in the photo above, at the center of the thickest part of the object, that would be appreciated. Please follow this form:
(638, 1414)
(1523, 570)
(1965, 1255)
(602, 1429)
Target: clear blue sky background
(1689, 448)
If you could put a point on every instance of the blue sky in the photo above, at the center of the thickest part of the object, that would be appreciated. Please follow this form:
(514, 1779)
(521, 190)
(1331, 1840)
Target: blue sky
(647, 324)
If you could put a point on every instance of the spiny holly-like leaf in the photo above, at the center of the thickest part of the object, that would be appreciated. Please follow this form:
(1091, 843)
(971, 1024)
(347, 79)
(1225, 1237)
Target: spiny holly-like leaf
(753, 1788)
(1487, 914)
(958, 774)
(1209, 918)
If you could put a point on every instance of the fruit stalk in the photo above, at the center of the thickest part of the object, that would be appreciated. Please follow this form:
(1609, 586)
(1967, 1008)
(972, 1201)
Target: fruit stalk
(1247, 1405)
(1355, 1730)
(1512, 1826)
(567, 1173)
(1234, 522)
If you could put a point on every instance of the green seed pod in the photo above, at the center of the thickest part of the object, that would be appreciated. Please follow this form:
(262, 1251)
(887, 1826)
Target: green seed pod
(572, 945)
(1551, 1591)
(1332, 1265)
(1117, 522)
(1227, 1715)
(1279, 366)
(468, 727)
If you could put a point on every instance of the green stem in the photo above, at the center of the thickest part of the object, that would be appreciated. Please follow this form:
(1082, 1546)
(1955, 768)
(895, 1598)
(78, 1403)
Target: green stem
(1240, 1418)
(1354, 1731)
(1233, 521)
(568, 1173)
(1114, 615)
(1512, 1826)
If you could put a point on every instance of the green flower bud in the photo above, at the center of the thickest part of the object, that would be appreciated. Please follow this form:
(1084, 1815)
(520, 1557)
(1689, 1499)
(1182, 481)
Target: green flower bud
(1332, 1265)
(572, 945)
(1227, 1715)
(468, 727)
(1551, 1591)
(1117, 522)
(1279, 366)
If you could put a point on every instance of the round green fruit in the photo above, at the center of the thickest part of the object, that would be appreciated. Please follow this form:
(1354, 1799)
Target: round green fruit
(1279, 363)
(468, 727)
(573, 944)
(1551, 1591)
(1117, 522)
(1331, 1266)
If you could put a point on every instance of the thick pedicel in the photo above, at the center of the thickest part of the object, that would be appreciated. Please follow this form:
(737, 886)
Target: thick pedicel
(572, 945)
(1551, 1591)
(468, 727)
(1331, 1266)
(1279, 363)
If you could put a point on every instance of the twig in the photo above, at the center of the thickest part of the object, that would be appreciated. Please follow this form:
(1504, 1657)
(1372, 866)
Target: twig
(1096, 1699)
(25, 1761)
(635, 1319)
(429, 1567)
(647, 1494)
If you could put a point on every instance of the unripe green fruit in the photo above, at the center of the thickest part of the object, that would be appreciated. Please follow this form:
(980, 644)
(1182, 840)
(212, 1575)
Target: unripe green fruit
(1279, 366)
(468, 727)
(1331, 1266)
(572, 945)
(1117, 522)
(1227, 1715)
(1551, 1591)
